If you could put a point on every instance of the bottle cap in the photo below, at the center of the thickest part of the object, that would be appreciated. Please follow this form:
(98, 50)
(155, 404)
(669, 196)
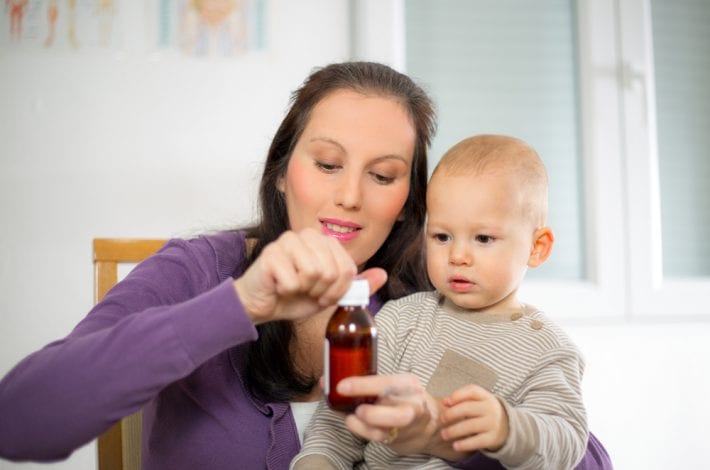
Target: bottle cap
(357, 294)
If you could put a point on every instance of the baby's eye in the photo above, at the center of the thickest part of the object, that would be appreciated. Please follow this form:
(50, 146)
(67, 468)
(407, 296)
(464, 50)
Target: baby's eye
(441, 237)
(382, 179)
(485, 239)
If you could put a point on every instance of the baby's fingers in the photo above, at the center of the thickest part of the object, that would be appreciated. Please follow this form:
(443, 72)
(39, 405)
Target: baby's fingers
(467, 393)
(474, 425)
(473, 443)
(472, 434)
(463, 411)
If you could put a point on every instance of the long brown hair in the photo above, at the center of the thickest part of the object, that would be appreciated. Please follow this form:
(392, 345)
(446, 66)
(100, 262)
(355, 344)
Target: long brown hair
(271, 373)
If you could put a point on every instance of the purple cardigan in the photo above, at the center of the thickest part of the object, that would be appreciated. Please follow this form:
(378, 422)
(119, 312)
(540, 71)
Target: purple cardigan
(170, 338)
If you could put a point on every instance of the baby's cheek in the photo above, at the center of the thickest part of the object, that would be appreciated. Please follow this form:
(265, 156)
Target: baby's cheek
(435, 267)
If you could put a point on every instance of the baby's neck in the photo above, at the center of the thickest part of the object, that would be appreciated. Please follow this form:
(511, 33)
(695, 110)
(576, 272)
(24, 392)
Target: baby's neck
(506, 308)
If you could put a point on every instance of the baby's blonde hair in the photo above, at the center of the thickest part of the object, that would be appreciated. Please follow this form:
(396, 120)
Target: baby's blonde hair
(487, 153)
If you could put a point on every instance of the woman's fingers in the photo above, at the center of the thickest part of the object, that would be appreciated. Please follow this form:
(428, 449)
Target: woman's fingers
(383, 386)
(387, 415)
(364, 429)
(276, 264)
(319, 264)
(402, 410)
(297, 275)
(401, 398)
(376, 278)
(337, 270)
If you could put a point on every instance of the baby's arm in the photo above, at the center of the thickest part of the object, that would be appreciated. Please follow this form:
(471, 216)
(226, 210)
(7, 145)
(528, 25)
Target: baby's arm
(546, 429)
(328, 444)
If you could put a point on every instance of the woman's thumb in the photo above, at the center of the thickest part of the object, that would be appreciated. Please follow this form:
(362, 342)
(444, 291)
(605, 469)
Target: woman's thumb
(376, 278)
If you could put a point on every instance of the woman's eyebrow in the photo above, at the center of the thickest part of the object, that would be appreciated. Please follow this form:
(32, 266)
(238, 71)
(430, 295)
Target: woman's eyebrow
(392, 157)
(328, 140)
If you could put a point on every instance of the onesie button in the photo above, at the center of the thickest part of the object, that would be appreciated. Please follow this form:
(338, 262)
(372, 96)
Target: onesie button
(516, 316)
(536, 324)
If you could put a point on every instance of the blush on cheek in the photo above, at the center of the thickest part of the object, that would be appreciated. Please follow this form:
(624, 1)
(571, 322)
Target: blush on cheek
(392, 205)
(300, 184)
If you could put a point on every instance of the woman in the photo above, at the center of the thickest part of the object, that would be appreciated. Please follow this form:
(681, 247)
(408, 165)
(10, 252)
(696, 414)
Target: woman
(219, 338)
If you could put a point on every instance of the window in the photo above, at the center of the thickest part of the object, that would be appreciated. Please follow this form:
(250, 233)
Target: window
(681, 37)
(666, 112)
(630, 205)
(525, 86)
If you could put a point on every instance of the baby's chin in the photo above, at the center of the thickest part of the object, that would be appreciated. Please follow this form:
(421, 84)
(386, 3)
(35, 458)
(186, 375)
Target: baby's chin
(470, 302)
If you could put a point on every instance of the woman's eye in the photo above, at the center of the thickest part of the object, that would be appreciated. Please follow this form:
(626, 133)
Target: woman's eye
(382, 179)
(484, 239)
(326, 167)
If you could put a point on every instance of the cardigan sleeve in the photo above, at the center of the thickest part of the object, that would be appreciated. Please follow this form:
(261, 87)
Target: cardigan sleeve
(171, 313)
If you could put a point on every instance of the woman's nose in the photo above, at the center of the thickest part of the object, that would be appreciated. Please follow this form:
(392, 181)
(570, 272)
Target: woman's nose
(349, 192)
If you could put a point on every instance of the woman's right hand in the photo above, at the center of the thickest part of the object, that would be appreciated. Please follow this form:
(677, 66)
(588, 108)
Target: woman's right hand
(405, 416)
(297, 275)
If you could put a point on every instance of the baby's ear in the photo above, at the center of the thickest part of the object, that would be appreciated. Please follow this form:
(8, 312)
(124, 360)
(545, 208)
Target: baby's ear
(543, 239)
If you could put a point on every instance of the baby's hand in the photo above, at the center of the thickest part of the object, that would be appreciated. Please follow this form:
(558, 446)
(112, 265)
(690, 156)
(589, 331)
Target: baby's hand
(474, 419)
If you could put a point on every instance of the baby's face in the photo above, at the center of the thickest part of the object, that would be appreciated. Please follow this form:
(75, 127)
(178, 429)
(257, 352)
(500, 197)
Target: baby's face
(479, 239)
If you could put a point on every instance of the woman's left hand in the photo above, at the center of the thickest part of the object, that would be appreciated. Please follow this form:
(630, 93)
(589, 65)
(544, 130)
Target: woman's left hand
(405, 416)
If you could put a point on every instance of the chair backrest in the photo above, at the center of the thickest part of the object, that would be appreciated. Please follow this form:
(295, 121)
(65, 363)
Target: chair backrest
(119, 448)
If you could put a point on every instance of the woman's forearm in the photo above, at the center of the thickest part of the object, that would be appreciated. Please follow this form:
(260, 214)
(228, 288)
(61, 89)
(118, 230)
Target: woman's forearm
(67, 393)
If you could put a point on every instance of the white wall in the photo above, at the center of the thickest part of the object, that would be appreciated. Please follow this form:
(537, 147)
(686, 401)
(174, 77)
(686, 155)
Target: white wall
(137, 144)
(646, 387)
(133, 143)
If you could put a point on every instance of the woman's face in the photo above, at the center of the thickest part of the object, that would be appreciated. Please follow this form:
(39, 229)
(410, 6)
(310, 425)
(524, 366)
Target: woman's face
(348, 175)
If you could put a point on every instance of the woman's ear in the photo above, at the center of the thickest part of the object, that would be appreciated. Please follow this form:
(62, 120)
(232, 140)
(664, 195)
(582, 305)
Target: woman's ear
(543, 239)
(281, 184)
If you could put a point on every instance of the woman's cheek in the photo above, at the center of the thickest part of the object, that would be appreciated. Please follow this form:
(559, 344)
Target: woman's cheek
(300, 182)
(392, 204)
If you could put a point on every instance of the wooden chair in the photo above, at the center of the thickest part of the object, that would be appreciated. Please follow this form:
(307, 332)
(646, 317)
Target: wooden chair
(119, 448)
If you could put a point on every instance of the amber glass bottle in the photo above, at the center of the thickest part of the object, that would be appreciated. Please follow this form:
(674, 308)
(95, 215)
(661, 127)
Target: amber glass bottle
(350, 345)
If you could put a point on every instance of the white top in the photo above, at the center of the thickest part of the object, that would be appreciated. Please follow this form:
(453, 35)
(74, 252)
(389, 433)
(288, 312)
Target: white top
(302, 412)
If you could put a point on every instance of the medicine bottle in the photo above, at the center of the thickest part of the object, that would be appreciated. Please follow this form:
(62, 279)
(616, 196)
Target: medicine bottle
(350, 345)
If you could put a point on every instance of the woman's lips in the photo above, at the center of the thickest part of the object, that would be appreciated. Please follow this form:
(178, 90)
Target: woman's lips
(342, 230)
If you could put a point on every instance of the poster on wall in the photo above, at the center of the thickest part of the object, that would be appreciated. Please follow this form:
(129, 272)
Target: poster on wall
(59, 25)
(211, 28)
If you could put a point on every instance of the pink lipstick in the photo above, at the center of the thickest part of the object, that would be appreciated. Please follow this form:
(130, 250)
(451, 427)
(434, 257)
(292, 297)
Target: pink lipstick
(343, 230)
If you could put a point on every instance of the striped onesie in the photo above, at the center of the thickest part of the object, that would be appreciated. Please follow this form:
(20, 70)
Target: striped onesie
(527, 361)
